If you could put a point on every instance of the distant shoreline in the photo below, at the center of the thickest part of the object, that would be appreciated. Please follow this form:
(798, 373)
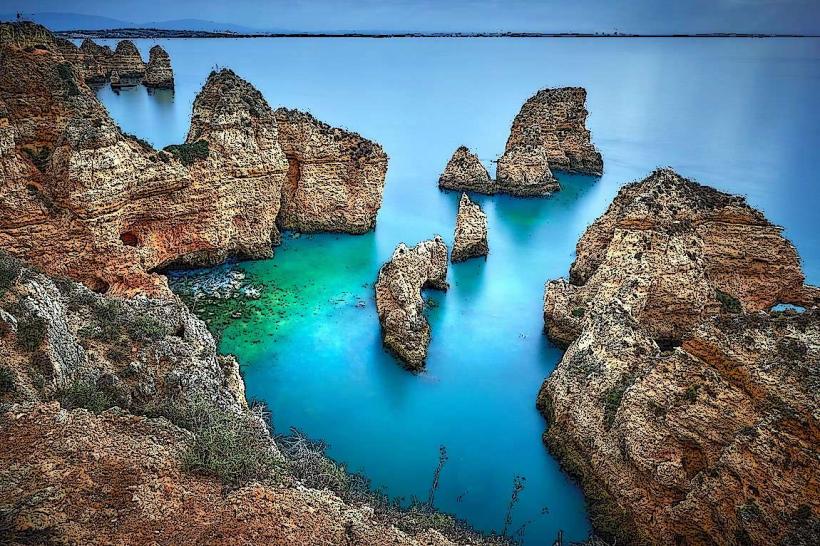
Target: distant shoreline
(137, 33)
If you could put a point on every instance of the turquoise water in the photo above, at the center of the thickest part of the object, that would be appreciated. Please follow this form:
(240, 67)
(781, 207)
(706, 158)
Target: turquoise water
(740, 115)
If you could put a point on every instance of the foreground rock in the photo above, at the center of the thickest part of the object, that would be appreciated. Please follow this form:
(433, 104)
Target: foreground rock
(687, 411)
(335, 178)
(158, 72)
(549, 133)
(405, 331)
(81, 199)
(464, 172)
(471, 231)
(97, 470)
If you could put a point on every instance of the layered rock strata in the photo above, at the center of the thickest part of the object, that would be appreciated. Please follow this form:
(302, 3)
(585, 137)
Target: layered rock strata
(72, 476)
(470, 239)
(335, 178)
(549, 133)
(128, 61)
(687, 411)
(81, 199)
(464, 172)
(399, 302)
(158, 72)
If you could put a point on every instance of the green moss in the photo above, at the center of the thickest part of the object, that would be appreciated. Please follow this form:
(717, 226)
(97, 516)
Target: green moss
(578, 312)
(728, 302)
(189, 153)
(612, 399)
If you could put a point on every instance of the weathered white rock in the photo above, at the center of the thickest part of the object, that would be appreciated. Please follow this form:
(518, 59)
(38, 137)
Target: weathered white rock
(471, 231)
(464, 172)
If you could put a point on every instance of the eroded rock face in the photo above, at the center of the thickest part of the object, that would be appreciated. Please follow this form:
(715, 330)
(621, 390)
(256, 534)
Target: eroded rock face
(687, 411)
(405, 330)
(97, 61)
(128, 61)
(471, 231)
(464, 172)
(158, 72)
(335, 177)
(549, 133)
(81, 199)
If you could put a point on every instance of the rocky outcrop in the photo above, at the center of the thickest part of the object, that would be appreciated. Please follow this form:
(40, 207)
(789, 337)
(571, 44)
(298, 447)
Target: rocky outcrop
(81, 199)
(128, 61)
(470, 238)
(97, 470)
(97, 62)
(464, 172)
(158, 73)
(405, 330)
(687, 411)
(549, 133)
(335, 178)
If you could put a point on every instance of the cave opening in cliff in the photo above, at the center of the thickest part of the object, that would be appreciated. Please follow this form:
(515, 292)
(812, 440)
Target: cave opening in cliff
(128, 238)
(667, 344)
(99, 285)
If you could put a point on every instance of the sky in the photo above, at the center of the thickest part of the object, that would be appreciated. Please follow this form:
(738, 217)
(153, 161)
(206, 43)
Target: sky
(639, 16)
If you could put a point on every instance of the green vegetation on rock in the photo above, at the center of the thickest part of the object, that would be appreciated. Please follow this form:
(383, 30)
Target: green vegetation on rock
(188, 153)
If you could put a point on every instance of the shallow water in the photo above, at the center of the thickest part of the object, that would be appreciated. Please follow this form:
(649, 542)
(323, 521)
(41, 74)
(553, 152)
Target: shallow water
(740, 115)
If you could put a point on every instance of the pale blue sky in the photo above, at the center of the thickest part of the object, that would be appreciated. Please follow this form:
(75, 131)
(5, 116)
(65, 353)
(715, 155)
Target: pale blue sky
(799, 16)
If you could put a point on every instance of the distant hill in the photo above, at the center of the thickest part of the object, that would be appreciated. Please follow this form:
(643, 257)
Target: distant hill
(78, 21)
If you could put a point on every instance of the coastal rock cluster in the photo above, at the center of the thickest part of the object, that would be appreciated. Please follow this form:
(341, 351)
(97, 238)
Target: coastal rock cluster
(102, 402)
(399, 302)
(470, 238)
(84, 200)
(95, 64)
(549, 133)
(687, 409)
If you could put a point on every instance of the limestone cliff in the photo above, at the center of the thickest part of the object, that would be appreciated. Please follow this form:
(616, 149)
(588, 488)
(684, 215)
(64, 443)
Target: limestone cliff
(128, 61)
(81, 199)
(687, 411)
(549, 133)
(97, 470)
(464, 172)
(335, 177)
(97, 61)
(470, 238)
(158, 72)
(405, 330)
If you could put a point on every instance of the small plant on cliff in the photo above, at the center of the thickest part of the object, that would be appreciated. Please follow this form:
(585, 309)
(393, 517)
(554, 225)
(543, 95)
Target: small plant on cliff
(578, 312)
(146, 328)
(188, 153)
(728, 302)
(6, 380)
(31, 331)
(65, 73)
(10, 269)
(84, 394)
(612, 399)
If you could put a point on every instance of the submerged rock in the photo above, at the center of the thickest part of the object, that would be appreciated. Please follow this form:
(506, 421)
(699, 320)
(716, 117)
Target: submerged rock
(464, 172)
(685, 409)
(158, 73)
(405, 331)
(549, 133)
(471, 231)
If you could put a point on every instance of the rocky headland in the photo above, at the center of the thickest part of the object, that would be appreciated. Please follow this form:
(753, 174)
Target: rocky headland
(470, 239)
(158, 72)
(84, 200)
(685, 407)
(548, 134)
(464, 172)
(399, 302)
(120, 422)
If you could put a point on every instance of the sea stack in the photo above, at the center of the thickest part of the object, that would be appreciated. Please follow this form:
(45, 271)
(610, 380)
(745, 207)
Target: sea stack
(549, 133)
(128, 62)
(471, 231)
(683, 405)
(405, 331)
(158, 73)
(464, 172)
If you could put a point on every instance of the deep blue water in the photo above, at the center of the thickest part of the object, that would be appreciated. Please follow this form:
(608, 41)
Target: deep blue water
(737, 114)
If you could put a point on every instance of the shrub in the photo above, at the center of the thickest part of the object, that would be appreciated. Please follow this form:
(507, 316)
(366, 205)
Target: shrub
(10, 269)
(6, 380)
(578, 312)
(31, 331)
(612, 399)
(189, 153)
(146, 328)
(65, 73)
(229, 446)
(729, 303)
(691, 394)
(85, 394)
